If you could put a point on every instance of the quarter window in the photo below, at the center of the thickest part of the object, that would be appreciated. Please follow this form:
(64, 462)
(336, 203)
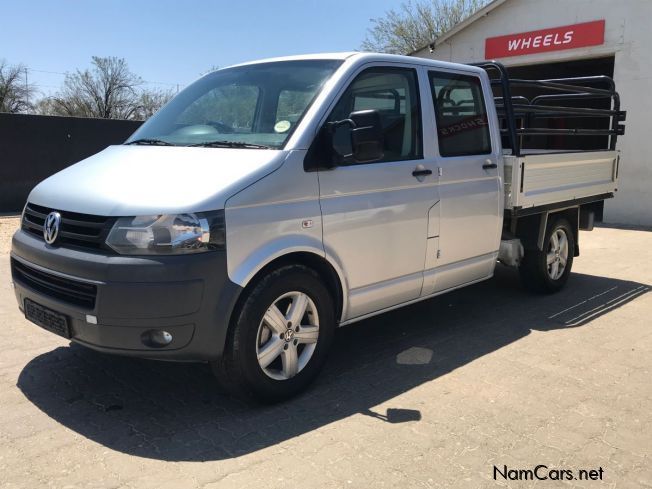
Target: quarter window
(462, 125)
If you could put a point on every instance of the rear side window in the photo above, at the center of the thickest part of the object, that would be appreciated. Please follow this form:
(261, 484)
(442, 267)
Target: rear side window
(462, 126)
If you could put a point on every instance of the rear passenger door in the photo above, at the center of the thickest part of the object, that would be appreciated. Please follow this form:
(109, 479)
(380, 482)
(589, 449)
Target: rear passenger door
(375, 214)
(469, 182)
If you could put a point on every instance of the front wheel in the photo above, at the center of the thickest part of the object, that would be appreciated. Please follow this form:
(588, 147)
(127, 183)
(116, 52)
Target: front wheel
(279, 339)
(547, 270)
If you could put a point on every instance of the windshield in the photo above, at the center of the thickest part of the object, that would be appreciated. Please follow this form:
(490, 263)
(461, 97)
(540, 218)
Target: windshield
(253, 106)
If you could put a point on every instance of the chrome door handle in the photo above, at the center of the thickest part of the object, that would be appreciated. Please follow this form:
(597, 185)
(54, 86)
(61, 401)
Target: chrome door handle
(421, 172)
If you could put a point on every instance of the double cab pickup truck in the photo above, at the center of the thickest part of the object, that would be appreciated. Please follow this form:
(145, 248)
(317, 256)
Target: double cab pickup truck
(269, 203)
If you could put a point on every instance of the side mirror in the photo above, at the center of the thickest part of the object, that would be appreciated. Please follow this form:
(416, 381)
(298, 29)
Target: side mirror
(358, 139)
(366, 136)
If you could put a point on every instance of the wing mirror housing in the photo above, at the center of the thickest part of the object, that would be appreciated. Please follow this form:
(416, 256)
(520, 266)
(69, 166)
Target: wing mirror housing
(366, 136)
(363, 132)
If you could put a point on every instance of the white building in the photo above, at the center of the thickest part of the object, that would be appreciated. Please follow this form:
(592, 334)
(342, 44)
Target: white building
(563, 38)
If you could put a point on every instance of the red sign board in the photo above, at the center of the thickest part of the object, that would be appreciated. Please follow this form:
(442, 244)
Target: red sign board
(553, 39)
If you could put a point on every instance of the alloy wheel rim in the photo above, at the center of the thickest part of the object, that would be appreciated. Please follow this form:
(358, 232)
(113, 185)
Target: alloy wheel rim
(557, 255)
(287, 335)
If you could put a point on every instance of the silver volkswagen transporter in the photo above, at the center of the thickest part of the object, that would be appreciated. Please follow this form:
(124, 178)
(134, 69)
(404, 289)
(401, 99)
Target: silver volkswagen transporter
(268, 203)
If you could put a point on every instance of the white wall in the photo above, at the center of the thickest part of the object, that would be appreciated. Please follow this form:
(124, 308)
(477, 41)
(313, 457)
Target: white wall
(628, 36)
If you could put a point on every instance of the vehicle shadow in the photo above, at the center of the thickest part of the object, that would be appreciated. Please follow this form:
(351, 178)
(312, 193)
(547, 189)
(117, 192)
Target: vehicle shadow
(174, 412)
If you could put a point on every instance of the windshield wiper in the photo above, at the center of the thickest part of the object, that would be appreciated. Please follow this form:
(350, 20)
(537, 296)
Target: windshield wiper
(150, 142)
(230, 144)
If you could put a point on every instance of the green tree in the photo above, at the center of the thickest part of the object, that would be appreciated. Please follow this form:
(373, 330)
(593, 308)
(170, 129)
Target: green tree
(416, 24)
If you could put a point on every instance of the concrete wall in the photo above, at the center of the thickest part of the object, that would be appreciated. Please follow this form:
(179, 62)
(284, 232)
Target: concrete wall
(628, 36)
(33, 147)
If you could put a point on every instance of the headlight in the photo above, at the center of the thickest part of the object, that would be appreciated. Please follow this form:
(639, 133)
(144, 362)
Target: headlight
(168, 234)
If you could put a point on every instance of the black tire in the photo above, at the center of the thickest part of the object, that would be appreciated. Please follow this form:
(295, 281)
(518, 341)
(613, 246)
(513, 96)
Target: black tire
(238, 371)
(534, 270)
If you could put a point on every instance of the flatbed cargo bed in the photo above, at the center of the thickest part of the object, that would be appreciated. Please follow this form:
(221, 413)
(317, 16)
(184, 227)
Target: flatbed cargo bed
(548, 178)
(545, 126)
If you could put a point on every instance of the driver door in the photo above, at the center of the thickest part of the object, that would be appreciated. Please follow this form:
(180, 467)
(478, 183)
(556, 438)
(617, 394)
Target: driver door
(375, 214)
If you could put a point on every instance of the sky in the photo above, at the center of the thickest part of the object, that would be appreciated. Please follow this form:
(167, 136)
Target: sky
(173, 42)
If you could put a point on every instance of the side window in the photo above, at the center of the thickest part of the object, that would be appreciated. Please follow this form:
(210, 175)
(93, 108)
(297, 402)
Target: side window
(462, 126)
(393, 93)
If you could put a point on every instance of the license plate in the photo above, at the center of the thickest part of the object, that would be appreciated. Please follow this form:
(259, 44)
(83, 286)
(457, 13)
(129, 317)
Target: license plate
(47, 318)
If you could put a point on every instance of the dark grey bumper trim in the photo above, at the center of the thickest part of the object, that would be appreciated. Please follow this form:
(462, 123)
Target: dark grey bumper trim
(189, 296)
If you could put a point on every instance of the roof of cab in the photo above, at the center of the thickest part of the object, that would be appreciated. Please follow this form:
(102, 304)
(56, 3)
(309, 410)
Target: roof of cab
(337, 56)
(368, 57)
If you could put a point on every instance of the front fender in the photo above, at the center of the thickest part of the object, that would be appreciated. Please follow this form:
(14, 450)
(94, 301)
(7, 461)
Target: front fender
(244, 272)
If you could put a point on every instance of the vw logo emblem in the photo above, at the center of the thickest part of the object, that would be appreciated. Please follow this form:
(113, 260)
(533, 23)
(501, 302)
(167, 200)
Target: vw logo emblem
(288, 335)
(51, 227)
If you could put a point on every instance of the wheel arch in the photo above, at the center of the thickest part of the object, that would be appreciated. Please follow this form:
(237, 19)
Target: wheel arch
(531, 230)
(326, 271)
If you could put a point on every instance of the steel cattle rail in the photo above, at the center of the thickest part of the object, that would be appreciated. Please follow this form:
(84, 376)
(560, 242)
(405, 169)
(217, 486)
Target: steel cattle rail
(515, 109)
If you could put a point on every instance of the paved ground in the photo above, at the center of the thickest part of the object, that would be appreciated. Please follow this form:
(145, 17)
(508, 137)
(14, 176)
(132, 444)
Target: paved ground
(8, 225)
(433, 395)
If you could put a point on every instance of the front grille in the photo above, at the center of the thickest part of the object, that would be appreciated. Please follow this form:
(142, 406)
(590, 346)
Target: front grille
(65, 289)
(76, 230)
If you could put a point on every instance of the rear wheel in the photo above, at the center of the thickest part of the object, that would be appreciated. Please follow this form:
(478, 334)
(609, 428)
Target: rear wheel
(278, 341)
(547, 270)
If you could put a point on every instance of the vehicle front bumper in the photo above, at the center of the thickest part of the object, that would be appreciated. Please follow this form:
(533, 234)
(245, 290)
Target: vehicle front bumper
(188, 296)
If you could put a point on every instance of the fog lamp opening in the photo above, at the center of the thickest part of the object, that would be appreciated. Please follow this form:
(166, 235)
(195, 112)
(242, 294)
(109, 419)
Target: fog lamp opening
(156, 338)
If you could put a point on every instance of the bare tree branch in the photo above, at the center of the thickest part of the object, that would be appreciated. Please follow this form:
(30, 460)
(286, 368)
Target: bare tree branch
(109, 90)
(150, 101)
(416, 24)
(15, 92)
